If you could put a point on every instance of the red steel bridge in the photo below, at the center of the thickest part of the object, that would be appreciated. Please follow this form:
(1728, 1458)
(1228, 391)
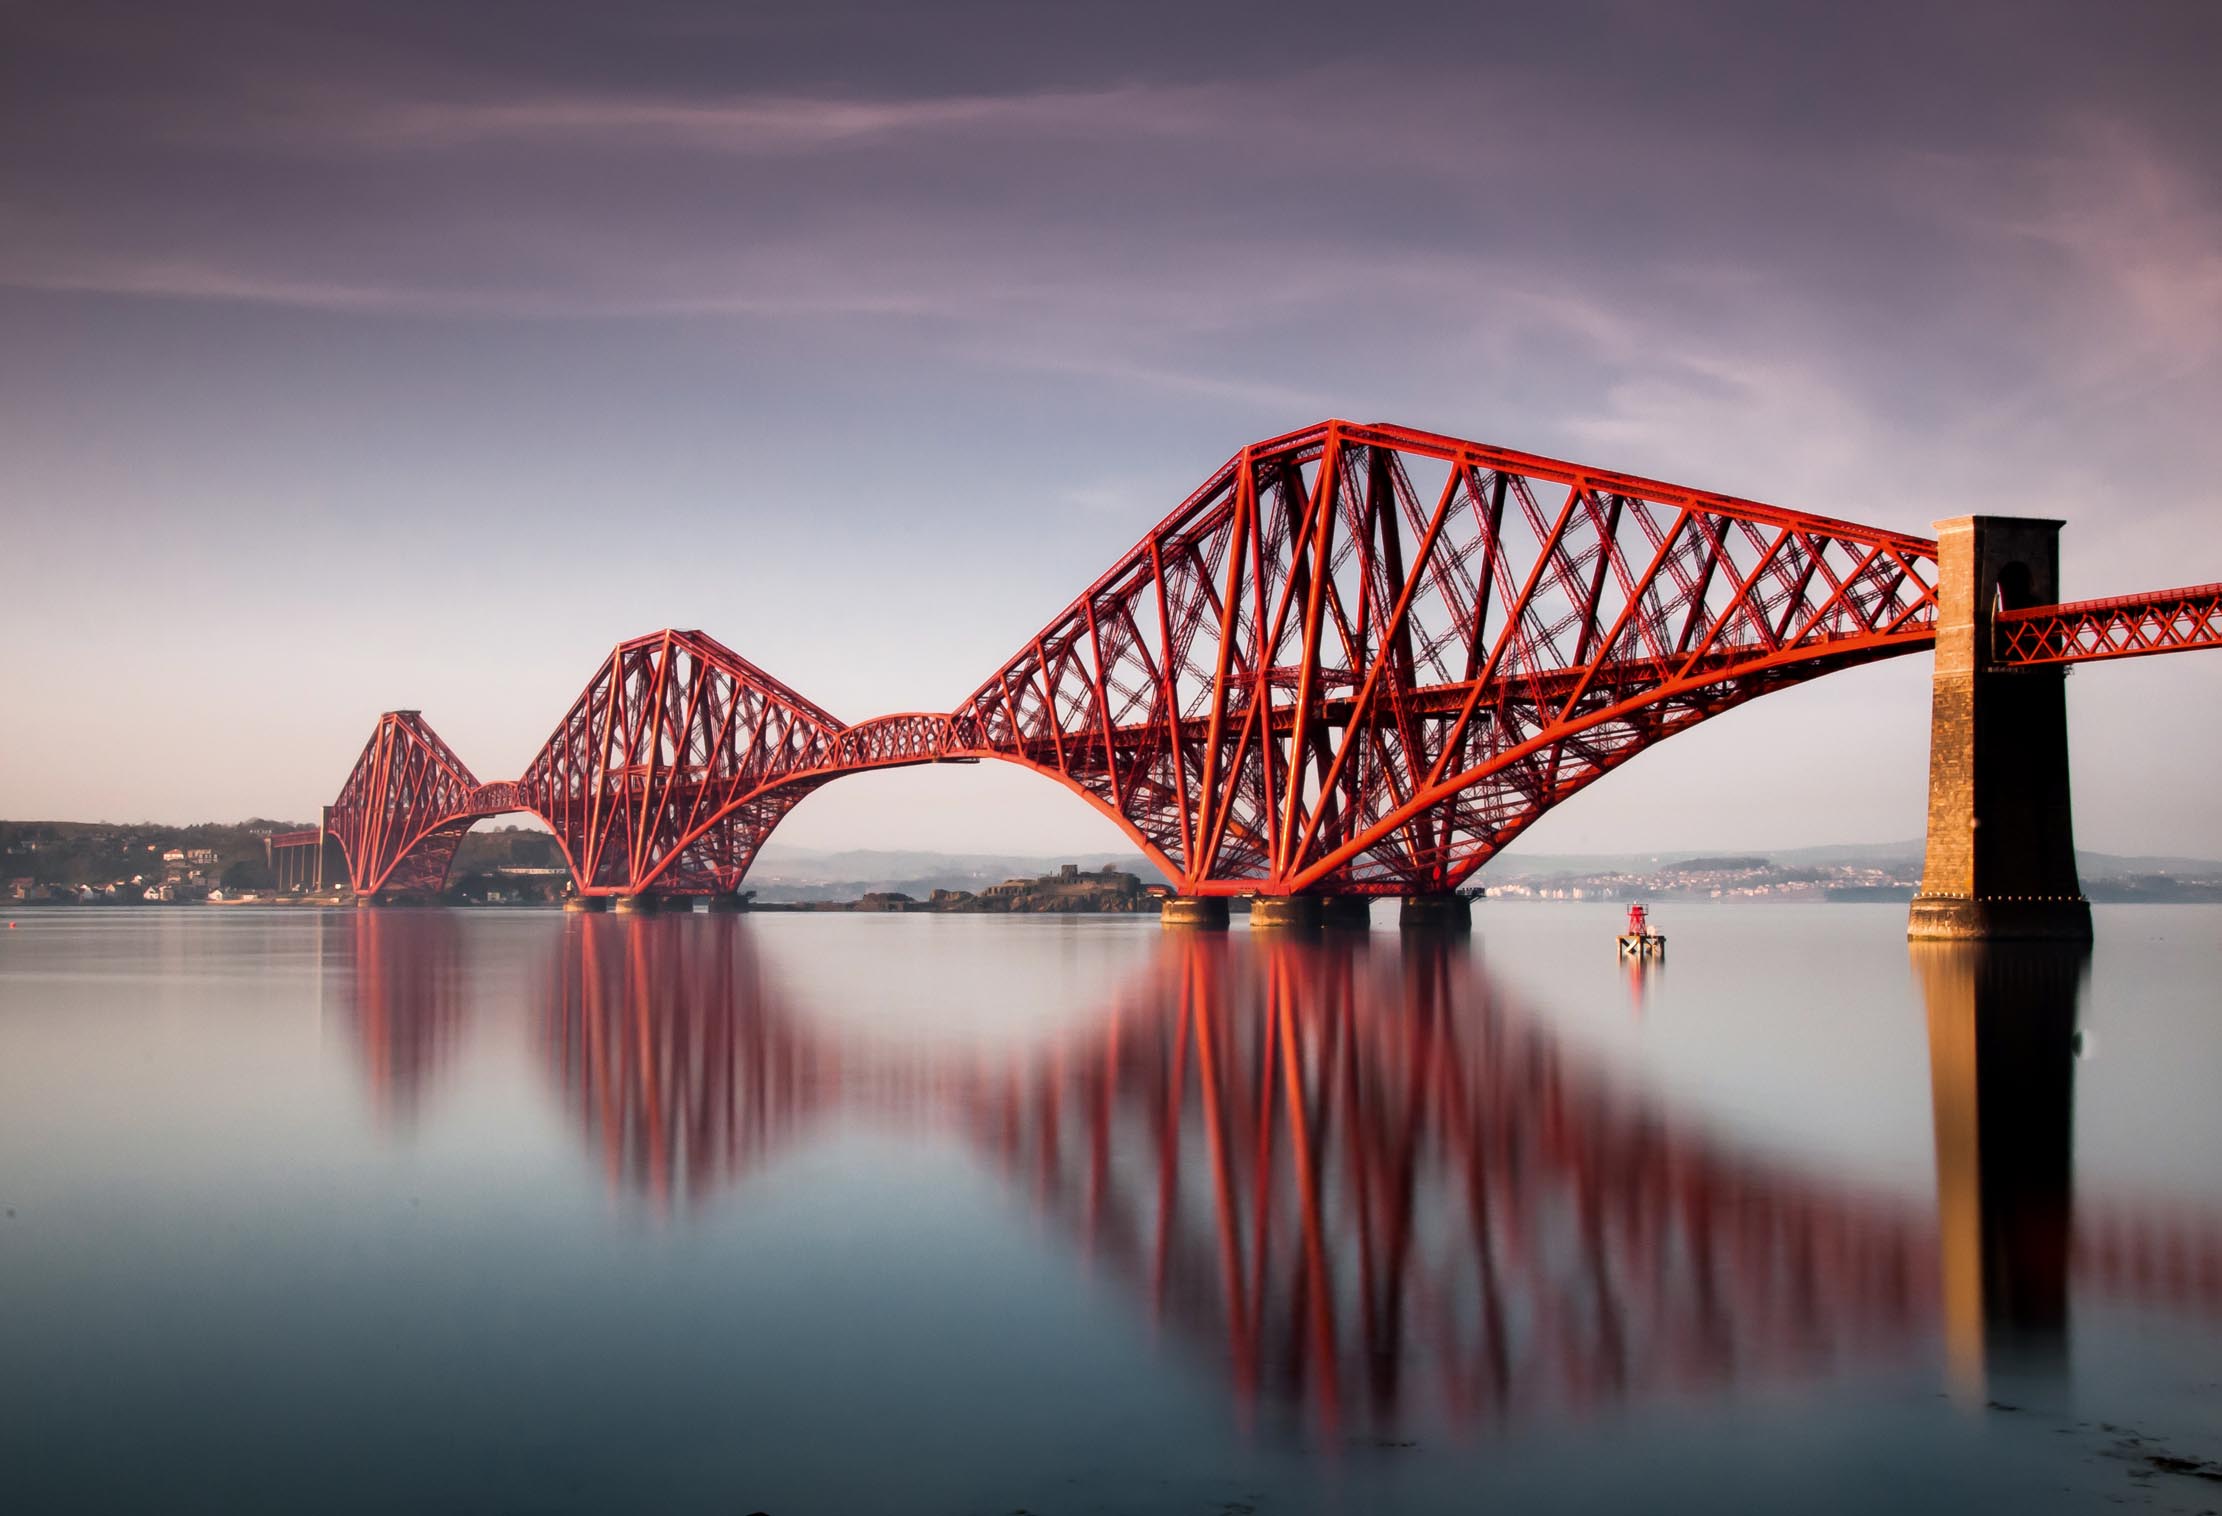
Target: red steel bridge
(1359, 660)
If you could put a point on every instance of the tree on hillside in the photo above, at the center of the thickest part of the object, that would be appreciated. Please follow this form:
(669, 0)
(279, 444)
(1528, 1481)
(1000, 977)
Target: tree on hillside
(246, 874)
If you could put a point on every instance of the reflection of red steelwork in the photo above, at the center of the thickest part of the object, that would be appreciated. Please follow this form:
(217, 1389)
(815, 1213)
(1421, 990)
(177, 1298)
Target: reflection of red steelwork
(1359, 659)
(2148, 1254)
(1367, 1179)
(405, 998)
(2125, 626)
(675, 1055)
(1359, 1176)
(1363, 1178)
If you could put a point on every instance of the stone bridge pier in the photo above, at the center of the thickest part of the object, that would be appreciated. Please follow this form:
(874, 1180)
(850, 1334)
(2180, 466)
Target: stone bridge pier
(2001, 849)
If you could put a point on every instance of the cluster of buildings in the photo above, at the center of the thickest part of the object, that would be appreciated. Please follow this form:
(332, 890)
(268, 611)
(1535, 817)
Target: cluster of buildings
(106, 864)
(1720, 879)
(178, 874)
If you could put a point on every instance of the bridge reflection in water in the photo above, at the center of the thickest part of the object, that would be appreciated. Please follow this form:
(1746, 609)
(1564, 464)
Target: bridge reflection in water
(1369, 1178)
(2002, 1027)
(1359, 1176)
(406, 991)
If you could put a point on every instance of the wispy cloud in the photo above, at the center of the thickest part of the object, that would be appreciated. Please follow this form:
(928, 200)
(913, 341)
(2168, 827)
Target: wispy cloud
(761, 124)
(2112, 241)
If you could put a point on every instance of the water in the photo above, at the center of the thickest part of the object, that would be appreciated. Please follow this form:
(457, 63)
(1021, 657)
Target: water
(520, 1212)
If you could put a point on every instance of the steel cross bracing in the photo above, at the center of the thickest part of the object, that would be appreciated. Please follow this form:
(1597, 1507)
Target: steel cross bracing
(1360, 659)
(666, 775)
(662, 771)
(404, 808)
(2125, 626)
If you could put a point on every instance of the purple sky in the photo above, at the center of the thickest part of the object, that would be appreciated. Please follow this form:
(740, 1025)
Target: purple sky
(360, 356)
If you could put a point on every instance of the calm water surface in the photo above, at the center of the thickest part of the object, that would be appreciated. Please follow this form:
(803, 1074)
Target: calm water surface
(520, 1212)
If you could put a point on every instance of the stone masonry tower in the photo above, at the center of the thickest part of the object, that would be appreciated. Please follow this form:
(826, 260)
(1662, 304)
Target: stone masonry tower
(2001, 857)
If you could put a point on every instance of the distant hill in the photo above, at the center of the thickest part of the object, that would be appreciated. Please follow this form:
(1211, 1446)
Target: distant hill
(786, 873)
(77, 852)
(105, 852)
(1904, 857)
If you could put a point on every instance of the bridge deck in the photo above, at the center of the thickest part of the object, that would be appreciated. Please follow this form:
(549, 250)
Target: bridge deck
(2121, 626)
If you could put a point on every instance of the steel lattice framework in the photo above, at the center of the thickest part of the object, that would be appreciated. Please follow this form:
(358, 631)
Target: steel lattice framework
(666, 775)
(674, 764)
(2125, 626)
(1363, 659)
(404, 808)
(1359, 659)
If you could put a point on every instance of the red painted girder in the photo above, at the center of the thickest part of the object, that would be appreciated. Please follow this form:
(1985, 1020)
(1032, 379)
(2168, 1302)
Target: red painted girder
(1444, 700)
(1483, 456)
(2121, 626)
(1293, 636)
(680, 755)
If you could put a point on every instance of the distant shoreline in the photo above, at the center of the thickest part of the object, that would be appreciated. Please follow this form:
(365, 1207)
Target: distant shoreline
(1239, 904)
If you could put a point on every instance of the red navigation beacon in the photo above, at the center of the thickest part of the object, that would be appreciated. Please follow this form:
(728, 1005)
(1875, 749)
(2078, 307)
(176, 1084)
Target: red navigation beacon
(1639, 941)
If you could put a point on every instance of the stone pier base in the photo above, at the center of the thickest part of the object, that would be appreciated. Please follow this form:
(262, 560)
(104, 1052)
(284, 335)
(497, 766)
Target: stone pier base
(727, 905)
(586, 904)
(638, 905)
(1436, 913)
(1198, 912)
(2062, 918)
(1284, 913)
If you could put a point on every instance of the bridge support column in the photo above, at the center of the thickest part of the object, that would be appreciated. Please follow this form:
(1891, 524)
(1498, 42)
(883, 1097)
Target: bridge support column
(721, 905)
(1198, 912)
(586, 903)
(2001, 853)
(638, 905)
(1436, 913)
(1346, 913)
(1284, 913)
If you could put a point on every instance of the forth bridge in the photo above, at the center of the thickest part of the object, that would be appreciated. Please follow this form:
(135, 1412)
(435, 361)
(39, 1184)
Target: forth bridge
(1357, 662)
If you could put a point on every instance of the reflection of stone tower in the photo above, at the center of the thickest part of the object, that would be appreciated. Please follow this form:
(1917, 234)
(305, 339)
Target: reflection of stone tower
(2002, 1070)
(2001, 854)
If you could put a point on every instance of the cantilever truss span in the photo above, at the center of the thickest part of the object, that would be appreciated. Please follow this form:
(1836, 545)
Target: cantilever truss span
(1358, 659)
(1364, 659)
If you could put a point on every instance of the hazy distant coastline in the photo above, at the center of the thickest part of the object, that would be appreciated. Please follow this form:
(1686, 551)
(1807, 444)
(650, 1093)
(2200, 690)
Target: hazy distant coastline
(520, 864)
